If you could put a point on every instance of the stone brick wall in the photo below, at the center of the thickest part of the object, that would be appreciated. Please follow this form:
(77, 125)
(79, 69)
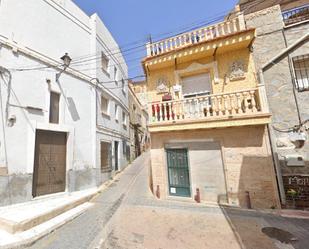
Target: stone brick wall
(246, 158)
(270, 41)
(299, 183)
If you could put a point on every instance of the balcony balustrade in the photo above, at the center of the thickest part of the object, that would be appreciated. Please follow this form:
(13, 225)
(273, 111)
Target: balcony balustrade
(196, 36)
(296, 15)
(215, 106)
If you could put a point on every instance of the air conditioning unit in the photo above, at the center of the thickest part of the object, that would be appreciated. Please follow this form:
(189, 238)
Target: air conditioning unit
(295, 160)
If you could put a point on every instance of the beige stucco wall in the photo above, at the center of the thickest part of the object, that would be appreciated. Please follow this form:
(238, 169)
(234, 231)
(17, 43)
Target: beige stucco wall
(246, 159)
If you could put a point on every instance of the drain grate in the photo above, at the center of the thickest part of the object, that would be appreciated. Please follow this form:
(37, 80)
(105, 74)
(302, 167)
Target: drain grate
(279, 234)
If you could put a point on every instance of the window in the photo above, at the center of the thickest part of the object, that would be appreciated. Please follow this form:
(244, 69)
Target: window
(115, 74)
(196, 85)
(124, 120)
(104, 105)
(128, 153)
(123, 86)
(106, 157)
(116, 112)
(104, 62)
(124, 147)
(54, 108)
(301, 70)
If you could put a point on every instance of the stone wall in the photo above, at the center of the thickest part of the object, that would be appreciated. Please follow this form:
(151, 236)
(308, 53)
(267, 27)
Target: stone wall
(272, 38)
(246, 159)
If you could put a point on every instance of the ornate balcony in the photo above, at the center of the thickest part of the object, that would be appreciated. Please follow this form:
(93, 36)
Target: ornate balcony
(296, 15)
(197, 36)
(246, 107)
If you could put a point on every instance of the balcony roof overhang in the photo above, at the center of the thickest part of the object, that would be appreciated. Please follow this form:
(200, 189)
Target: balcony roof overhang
(200, 50)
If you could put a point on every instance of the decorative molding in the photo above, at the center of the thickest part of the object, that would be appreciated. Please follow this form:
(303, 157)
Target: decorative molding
(198, 67)
(162, 85)
(237, 71)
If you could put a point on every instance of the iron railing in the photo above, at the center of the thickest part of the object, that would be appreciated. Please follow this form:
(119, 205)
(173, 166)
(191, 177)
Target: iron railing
(296, 15)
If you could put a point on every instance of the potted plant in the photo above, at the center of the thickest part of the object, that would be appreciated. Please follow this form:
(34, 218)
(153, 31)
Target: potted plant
(293, 194)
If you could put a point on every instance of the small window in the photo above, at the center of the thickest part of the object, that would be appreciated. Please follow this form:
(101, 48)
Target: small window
(104, 105)
(123, 86)
(301, 71)
(116, 112)
(124, 120)
(115, 74)
(128, 152)
(54, 108)
(104, 62)
(124, 147)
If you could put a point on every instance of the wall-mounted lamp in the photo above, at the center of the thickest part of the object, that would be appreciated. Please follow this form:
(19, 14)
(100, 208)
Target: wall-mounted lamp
(66, 63)
(66, 60)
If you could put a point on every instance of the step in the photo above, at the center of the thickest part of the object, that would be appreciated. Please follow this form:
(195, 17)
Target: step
(26, 238)
(22, 217)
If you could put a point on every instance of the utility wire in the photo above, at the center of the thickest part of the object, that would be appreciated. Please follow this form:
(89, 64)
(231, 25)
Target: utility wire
(121, 50)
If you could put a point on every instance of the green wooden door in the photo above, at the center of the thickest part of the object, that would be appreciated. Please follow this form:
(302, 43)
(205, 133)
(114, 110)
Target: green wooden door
(178, 172)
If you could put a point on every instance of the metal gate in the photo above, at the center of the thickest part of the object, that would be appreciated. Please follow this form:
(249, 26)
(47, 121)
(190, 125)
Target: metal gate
(49, 163)
(178, 172)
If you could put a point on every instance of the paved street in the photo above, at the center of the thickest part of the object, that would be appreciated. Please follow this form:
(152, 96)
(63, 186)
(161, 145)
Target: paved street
(126, 215)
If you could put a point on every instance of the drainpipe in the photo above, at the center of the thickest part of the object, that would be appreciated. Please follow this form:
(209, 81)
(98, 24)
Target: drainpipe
(272, 145)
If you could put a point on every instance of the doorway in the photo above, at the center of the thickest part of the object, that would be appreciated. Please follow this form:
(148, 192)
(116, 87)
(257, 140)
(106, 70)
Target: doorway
(178, 172)
(49, 163)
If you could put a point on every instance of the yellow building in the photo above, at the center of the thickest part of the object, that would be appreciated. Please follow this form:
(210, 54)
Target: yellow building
(208, 118)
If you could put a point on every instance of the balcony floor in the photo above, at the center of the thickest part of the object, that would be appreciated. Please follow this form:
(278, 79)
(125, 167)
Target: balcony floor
(211, 123)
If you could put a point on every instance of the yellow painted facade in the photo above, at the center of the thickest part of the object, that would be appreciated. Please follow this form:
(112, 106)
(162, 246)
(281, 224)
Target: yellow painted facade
(224, 52)
(221, 131)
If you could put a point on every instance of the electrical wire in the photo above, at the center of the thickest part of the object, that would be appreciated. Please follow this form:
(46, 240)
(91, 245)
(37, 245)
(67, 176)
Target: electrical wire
(129, 50)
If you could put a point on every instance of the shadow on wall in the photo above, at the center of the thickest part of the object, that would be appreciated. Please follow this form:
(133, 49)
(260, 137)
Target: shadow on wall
(256, 187)
(73, 110)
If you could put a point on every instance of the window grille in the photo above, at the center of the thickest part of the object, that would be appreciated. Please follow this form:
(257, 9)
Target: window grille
(301, 72)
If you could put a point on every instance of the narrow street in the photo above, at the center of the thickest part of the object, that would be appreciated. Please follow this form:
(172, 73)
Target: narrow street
(126, 215)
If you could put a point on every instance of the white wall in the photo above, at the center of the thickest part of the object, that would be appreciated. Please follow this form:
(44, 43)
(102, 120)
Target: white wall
(51, 28)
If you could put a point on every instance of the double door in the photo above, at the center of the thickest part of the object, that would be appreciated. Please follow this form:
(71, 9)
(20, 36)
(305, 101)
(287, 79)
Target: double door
(50, 163)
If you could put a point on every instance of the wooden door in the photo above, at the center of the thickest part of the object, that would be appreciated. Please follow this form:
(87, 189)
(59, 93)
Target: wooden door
(50, 163)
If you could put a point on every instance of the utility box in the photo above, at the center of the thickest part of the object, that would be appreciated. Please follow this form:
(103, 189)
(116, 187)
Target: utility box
(295, 160)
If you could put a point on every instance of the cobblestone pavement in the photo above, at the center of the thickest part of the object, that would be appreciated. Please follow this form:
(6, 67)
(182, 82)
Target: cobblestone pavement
(126, 215)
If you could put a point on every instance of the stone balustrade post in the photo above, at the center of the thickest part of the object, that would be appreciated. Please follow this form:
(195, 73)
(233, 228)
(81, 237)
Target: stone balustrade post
(263, 98)
(148, 49)
(241, 22)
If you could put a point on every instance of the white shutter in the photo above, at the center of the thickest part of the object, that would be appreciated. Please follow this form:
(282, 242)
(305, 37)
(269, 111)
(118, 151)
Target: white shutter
(196, 84)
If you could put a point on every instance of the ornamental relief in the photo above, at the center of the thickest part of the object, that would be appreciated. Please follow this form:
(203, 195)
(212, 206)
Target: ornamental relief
(162, 85)
(237, 71)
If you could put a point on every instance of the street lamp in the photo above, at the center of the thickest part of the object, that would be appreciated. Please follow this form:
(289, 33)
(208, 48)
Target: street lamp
(66, 63)
(66, 60)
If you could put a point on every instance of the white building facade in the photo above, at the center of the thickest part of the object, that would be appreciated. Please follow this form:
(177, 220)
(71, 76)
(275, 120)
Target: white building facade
(62, 129)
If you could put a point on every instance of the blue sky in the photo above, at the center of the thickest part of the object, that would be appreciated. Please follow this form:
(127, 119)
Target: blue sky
(132, 21)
